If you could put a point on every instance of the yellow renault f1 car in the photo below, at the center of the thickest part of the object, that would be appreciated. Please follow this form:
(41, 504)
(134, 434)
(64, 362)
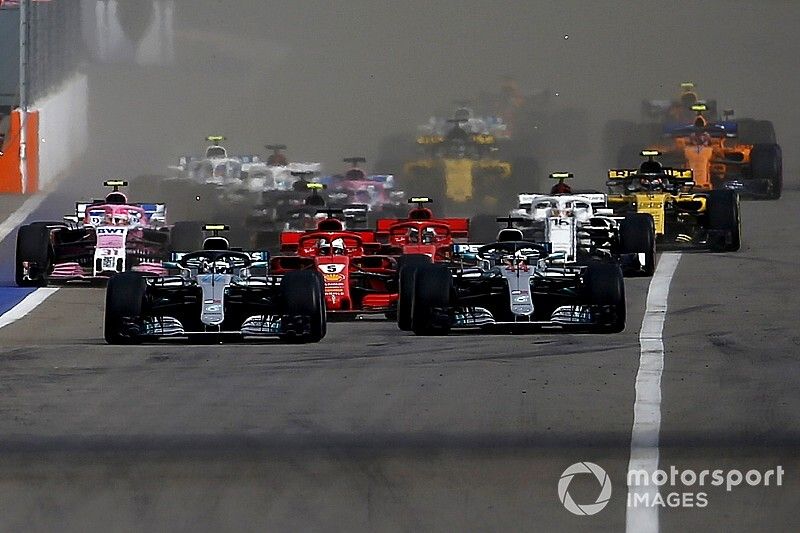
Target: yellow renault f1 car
(461, 168)
(682, 217)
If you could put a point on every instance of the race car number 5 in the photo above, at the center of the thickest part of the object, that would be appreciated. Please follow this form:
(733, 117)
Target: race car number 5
(331, 269)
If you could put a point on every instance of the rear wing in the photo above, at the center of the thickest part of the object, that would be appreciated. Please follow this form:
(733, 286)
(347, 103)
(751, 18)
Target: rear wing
(459, 227)
(683, 177)
(256, 256)
(290, 240)
(246, 159)
(472, 248)
(674, 173)
(596, 199)
(156, 212)
(355, 214)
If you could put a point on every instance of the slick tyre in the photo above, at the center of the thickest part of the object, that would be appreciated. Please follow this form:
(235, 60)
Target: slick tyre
(637, 236)
(125, 297)
(766, 162)
(724, 221)
(303, 297)
(33, 247)
(606, 289)
(752, 131)
(432, 289)
(408, 266)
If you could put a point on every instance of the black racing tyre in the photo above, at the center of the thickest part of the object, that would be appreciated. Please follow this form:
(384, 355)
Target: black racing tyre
(33, 247)
(303, 297)
(407, 267)
(125, 295)
(483, 229)
(186, 236)
(724, 221)
(637, 235)
(766, 163)
(432, 288)
(752, 131)
(606, 288)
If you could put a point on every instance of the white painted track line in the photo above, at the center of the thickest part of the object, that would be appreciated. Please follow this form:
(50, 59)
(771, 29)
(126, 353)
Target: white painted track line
(647, 408)
(28, 304)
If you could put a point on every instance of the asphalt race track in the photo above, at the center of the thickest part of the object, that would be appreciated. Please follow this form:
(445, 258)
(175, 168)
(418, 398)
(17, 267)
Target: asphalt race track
(377, 429)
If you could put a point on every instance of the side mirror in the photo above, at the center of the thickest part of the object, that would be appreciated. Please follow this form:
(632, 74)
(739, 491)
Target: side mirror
(259, 264)
(171, 265)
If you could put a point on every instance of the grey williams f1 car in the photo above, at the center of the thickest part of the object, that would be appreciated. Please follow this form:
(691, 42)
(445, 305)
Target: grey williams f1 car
(513, 284)
(216, 295)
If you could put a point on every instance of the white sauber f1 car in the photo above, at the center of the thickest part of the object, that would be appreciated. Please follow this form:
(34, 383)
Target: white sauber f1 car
(515, 285)
(215, 296)
(277, 173)
(584, 229)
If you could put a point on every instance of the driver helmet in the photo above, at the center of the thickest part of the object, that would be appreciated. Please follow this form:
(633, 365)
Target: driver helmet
(463, 114)
(277, 160)
(700, 138)
(412, 235)
(300, 185)
(335, 247)
(561, 188)
(116, 198)
(428, 235)
(700, 122)
(651, 182)
(355, 174)
(338, 246)
(221, 267)
(117, 219)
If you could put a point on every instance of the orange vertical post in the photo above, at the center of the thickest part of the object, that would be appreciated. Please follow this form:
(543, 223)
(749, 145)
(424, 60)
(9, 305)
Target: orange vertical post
(10, 176)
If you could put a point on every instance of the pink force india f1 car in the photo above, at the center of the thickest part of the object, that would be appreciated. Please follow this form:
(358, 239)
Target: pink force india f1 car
(102, 238)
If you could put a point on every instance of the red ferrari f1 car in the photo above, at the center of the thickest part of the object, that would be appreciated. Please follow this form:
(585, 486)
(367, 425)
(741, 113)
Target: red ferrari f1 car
(358, 278)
